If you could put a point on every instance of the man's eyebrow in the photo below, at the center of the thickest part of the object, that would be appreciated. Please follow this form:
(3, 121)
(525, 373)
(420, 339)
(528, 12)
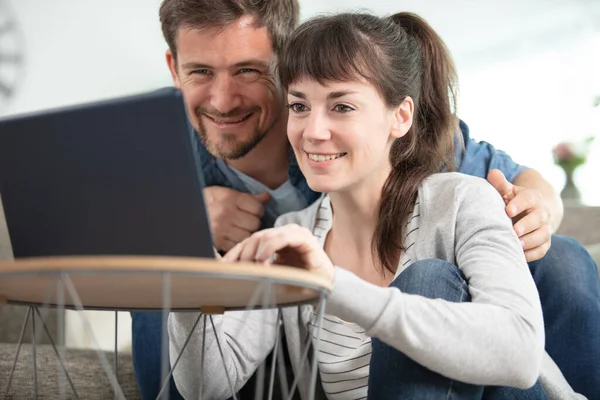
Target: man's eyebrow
(195, 65)
(251, 63)
(241, 64)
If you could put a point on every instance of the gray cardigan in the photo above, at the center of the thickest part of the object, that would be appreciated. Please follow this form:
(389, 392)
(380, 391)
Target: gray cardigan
(463, 222)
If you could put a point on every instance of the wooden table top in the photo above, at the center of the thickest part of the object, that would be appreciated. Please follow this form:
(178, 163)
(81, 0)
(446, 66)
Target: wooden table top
(138, 282)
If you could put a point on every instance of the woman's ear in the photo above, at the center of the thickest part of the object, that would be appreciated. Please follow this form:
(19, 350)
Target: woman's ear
(403, 118)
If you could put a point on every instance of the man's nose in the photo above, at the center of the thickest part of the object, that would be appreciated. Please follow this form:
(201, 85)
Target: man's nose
(224, 94)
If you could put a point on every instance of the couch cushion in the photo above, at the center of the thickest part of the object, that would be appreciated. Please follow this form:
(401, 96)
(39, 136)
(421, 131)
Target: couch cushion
(581, 223)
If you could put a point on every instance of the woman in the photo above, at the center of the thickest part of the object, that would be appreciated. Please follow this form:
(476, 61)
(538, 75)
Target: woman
(431, 291)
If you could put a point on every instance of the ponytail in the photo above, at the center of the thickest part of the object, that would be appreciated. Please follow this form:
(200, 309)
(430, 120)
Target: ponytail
(428, 147)
(436, 111)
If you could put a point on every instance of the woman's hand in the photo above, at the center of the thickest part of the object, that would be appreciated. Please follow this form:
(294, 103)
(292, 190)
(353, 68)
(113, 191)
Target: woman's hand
(292, 245)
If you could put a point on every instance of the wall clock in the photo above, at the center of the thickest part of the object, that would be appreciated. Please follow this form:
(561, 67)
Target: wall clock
(11, 54)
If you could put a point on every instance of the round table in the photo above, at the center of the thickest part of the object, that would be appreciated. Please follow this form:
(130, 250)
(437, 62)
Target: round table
(150, 283)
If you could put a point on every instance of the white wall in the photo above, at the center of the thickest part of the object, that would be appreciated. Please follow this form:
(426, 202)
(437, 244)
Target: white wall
(80, 50)
(528, 70)
(528, 104)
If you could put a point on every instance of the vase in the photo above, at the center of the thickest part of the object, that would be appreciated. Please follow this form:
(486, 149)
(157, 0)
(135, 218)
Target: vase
(570, 193)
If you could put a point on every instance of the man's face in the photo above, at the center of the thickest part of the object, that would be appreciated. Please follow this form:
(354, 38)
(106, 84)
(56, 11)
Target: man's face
(227, 79)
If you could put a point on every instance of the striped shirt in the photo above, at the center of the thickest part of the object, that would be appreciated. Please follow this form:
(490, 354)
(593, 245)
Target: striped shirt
(344, 348)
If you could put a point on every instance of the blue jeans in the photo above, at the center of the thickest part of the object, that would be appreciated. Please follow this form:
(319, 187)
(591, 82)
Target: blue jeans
(147, 349)
(395, 376)
(569, 288)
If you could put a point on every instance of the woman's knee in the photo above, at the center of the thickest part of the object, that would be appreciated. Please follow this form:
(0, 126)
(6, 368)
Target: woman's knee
(434, 279)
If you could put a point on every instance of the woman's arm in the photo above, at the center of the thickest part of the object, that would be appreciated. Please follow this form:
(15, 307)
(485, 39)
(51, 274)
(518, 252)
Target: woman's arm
(498, 338)
(245, 337)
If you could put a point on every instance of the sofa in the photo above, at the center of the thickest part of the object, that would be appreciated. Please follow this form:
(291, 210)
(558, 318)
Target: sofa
(582, 223)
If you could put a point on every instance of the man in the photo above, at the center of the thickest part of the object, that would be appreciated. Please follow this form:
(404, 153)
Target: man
(221, 56)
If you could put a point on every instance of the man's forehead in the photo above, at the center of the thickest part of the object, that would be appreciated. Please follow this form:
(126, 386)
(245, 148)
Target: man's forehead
(227, 45)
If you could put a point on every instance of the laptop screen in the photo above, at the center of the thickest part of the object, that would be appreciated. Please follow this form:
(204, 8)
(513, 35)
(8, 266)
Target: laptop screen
(117, 177)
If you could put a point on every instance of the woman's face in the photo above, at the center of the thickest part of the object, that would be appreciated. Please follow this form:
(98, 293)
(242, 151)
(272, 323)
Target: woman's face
(342, 132)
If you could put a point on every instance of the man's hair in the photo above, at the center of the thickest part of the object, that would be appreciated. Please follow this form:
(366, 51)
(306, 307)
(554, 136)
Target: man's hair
(280, 17)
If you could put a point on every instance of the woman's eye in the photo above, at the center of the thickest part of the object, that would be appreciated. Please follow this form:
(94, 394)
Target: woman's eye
(342, 108)
(297, 107)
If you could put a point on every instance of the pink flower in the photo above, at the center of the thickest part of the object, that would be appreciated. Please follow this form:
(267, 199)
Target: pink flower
(572, 153)
(563, 151)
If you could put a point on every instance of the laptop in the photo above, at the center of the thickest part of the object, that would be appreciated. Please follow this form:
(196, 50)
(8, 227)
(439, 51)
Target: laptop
(116, 177)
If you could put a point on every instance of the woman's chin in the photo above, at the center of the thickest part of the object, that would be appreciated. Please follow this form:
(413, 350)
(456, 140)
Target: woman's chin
(323, 185)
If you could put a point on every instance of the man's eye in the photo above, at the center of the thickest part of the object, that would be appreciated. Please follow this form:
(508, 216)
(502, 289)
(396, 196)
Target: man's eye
(201, 72)
(342, 108)
(248, 74)
(297, 107)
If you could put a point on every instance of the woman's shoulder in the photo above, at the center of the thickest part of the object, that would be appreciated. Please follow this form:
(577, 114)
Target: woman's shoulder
(305, 217)
(456, 186)
(453, 207)
(448, 180)
(447, 194)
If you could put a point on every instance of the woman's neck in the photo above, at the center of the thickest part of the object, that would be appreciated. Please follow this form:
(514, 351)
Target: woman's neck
(349, 243)
(354, 218)
(356, 211)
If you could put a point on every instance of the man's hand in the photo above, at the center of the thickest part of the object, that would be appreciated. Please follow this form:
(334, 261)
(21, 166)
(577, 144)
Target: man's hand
(233, 215)
(529, 213)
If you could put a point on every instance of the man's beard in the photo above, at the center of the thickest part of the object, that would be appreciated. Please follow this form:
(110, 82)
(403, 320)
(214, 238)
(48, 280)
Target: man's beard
(227, 146)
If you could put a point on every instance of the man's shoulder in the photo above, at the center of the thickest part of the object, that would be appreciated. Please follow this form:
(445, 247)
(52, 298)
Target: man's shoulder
(464, 130)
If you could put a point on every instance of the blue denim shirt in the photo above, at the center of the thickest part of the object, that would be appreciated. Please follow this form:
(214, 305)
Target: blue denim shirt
(479, 158)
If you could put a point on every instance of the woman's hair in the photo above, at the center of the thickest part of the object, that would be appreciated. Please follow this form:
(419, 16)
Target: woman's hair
(400, 56)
